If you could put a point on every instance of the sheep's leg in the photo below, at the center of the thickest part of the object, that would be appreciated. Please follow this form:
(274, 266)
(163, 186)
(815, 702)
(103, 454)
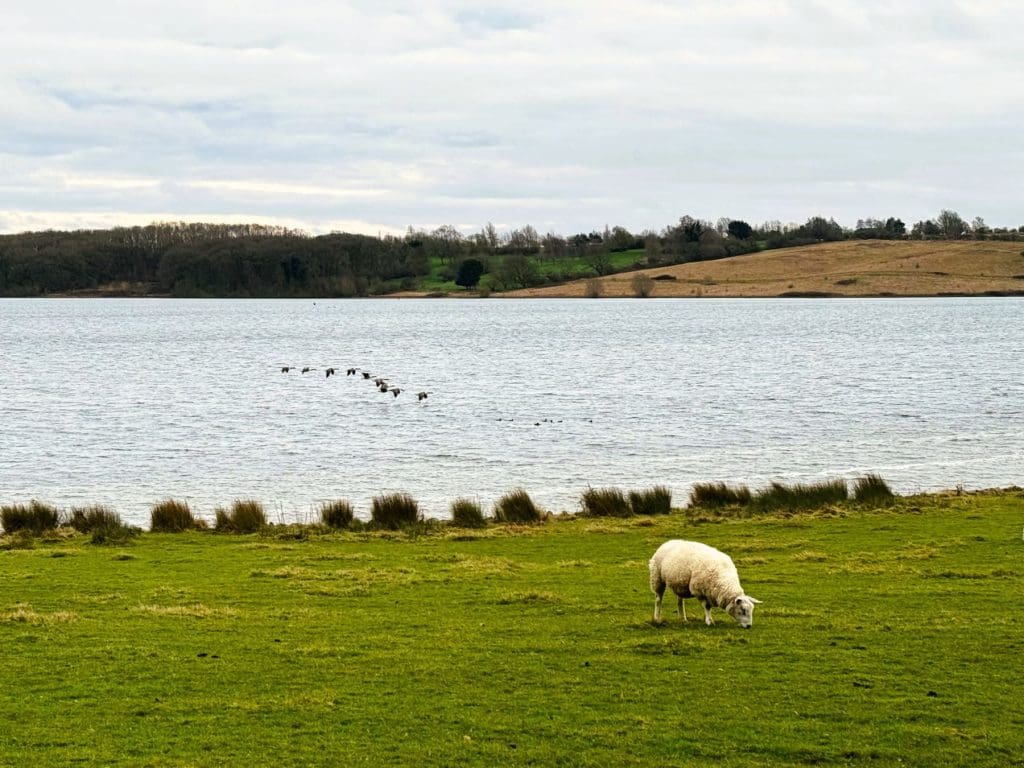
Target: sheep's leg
(707, 612)
(659, 592)
(681, 607)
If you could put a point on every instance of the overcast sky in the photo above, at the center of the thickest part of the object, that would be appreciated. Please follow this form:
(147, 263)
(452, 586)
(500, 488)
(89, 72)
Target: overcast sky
(373, 116)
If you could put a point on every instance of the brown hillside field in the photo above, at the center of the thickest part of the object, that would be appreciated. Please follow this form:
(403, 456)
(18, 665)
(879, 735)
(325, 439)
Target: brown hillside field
(850, 268)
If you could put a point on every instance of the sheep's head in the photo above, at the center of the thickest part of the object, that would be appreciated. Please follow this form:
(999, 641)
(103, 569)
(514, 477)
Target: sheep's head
(742, 609)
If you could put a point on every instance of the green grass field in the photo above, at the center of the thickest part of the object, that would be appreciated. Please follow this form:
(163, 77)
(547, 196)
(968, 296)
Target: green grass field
(566, 268)
(884, 637)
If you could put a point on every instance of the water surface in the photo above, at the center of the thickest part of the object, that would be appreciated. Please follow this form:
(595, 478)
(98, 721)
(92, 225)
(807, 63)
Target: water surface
(129, 401)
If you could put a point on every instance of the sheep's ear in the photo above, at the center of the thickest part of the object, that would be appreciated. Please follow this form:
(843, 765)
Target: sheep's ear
(754, 600)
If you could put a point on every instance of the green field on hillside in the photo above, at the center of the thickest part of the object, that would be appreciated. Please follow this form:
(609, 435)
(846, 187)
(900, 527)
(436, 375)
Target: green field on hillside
(883, 637)
(550, 270)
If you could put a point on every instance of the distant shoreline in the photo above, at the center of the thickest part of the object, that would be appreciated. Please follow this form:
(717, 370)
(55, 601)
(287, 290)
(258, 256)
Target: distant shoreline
(846, 269)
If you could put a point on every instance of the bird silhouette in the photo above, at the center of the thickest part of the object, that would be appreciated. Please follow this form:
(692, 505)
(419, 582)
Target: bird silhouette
(394, 391)
(330, 372)
(367, 374)
(307, 369)
(285, 368)
(383, 387)
(351, 371)
(422, 395)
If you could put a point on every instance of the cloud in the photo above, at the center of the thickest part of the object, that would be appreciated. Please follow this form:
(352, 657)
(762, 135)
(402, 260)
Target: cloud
(567, 116)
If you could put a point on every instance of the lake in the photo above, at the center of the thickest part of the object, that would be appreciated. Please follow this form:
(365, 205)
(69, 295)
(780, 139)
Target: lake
(128, 401)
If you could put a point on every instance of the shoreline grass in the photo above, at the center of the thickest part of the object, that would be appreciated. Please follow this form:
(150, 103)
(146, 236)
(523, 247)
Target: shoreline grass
(604, 502)
(394, 511)
(34, 517)
(467, 513)
(244, 516)
(383, 648)
(399, 511)
(517, 507)
(337, 514)
(172, 516)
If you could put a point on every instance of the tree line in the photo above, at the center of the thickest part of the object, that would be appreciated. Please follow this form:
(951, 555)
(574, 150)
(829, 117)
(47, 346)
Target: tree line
(235, 260)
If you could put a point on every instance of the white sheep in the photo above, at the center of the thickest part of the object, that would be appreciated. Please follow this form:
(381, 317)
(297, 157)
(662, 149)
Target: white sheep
(692, 569)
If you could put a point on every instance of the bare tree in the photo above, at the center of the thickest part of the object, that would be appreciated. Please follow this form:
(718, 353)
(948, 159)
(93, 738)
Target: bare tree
(652, 248)
(951, 225)
(553, 246)
(449, 242)
(619, 239)
(524, 240)
(489, 236)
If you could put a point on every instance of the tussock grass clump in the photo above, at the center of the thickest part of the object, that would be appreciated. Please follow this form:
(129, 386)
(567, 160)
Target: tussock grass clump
(467, 513)
(245, 516)
(779, 496)
(35, 517)
(104, 525)
(873, 491)
(653, 501)
(337, 514)
(393, 511)
(89, 519)
(517, 507)
(18, 540)
(719, 495)
(605, 502)
(172, 516)
(114, 532)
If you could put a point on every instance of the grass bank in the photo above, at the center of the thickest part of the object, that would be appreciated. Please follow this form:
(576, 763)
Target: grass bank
(847, 268)
(883, 636)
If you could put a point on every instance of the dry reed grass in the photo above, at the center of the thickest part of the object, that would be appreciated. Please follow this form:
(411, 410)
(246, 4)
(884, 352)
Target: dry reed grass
(849, 268)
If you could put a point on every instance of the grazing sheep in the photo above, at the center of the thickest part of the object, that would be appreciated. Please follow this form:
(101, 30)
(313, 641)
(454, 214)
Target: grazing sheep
(692, 569)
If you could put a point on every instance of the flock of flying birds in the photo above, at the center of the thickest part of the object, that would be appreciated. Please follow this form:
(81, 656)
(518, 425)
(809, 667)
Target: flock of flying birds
(380, 383)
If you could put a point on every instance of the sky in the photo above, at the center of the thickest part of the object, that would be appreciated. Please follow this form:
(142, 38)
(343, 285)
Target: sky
(568, 116)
